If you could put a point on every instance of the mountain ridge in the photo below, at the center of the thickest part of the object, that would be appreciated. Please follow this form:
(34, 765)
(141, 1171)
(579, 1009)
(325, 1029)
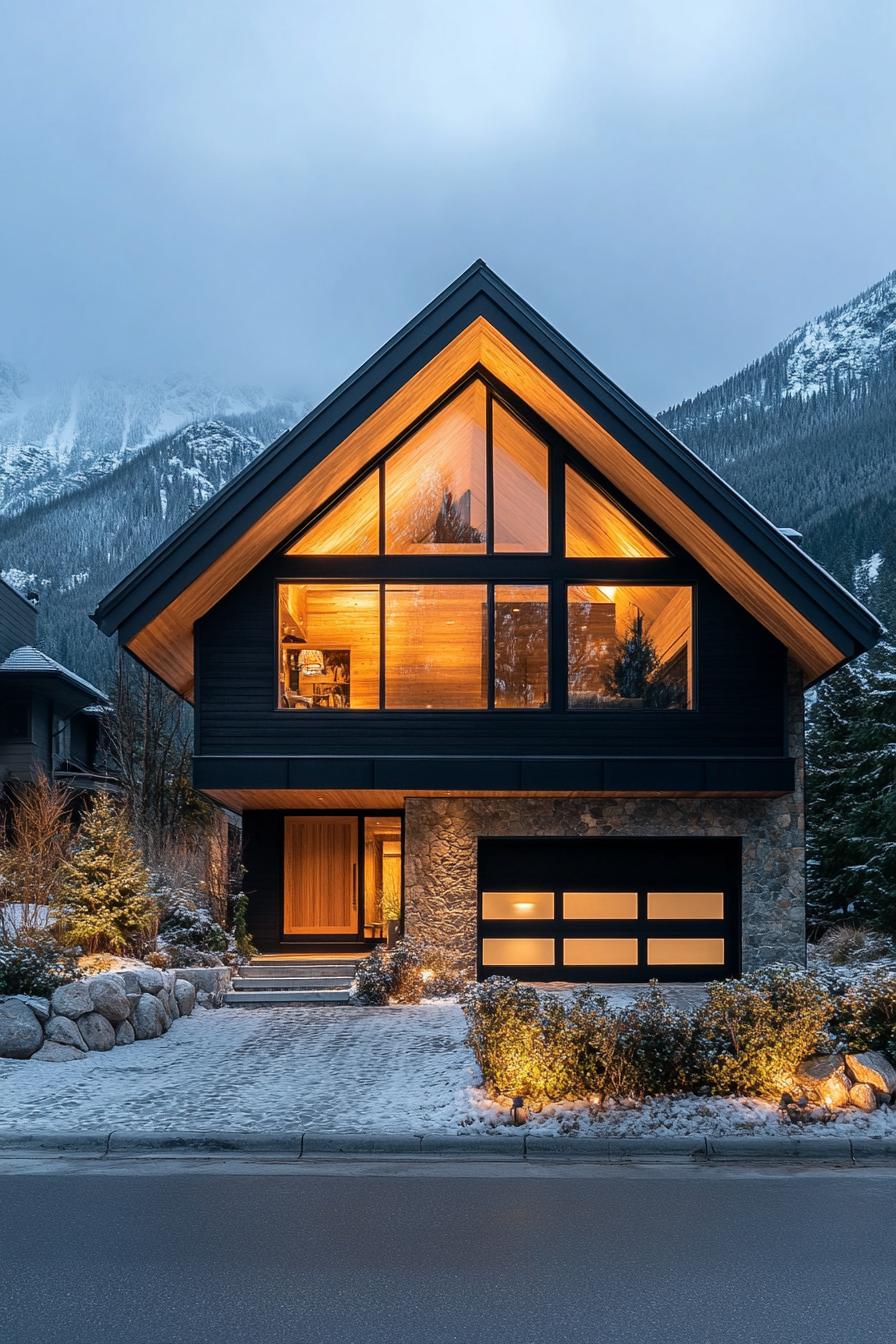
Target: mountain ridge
(807, 433)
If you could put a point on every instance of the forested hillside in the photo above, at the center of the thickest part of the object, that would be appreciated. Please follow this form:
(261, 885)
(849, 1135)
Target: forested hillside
(808, 432)
(74, 549)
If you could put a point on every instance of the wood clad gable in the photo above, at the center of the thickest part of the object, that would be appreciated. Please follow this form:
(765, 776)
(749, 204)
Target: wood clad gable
(478, 323)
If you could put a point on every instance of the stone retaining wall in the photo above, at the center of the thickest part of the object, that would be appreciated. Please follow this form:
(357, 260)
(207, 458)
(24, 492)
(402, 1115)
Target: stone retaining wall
(97, 1013)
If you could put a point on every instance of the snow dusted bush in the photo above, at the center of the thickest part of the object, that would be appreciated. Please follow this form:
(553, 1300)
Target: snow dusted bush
(406, 973)
(747, 1038)
(865, 1016)
(187, 925)
(547, 1048)
(752, 1033)
(38, 968)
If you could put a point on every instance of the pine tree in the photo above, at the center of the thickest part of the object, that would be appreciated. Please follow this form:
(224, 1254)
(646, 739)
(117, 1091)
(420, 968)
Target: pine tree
(833, 781)
(851, 784)
(103, 902)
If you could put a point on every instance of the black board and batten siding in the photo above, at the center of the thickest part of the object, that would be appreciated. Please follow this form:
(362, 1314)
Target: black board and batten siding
(740, 716)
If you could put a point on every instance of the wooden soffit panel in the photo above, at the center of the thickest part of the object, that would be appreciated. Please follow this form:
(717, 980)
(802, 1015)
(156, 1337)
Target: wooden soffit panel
(165, 644)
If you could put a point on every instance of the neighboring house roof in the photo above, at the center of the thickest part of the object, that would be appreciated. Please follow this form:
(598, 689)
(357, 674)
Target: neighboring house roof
(478, 321)
(31, 662)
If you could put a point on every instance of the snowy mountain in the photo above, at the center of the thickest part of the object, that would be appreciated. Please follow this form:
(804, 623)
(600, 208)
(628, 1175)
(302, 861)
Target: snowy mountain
(61, 438)
(808, 432)
(76, 547)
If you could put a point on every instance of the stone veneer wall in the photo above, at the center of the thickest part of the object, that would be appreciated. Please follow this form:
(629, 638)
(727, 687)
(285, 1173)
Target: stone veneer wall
(441, 836)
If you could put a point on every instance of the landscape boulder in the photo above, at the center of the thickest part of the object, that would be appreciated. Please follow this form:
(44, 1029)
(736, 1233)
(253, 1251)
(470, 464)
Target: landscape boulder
(150, 980)
(211, 979)
(875, 1069)
(823, 1078)
(21, 1034)
(97, 1031)
(149, 1019)
(64, 1031)
(862, 1095)
(39, 1007)
(130, 981)
(72, 1000)
(109, 997)
(51, 1052)
(185, 994)
(124, 1034)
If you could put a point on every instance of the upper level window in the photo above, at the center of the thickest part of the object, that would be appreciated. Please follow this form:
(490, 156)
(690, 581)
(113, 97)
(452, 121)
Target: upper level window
(628, 647)
(596, 526)
(437, 486)
(435, 483)
(520, 470)
(351, 527)
(435, 612)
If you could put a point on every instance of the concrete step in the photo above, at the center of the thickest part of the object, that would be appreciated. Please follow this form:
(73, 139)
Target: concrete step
(259, 997)
(297, 969)
(245, 983)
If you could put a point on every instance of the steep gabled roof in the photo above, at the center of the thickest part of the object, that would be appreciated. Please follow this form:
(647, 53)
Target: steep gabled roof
(479, 320)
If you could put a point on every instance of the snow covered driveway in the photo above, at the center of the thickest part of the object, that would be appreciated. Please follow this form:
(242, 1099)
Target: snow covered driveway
(287, 1067)
(333, 1068)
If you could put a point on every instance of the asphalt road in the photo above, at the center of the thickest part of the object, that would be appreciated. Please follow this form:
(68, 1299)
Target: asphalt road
(165, 1252)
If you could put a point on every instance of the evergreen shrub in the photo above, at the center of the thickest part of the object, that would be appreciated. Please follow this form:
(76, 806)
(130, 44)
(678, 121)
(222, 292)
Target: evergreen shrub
(36, 968)
(752, 1033)
(746, 1038)
(407, 972)
(865, 1016)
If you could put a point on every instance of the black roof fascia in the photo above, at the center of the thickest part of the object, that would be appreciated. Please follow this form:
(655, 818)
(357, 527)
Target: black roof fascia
(480, 293)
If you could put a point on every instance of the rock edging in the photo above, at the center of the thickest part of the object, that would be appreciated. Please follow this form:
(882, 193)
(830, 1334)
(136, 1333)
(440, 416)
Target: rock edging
(99, 1013)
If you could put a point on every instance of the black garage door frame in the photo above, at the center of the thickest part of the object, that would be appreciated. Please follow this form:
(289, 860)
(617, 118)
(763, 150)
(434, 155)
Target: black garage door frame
(631, 864)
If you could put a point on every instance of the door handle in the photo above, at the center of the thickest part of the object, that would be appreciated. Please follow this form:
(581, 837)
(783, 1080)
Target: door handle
(354, 886)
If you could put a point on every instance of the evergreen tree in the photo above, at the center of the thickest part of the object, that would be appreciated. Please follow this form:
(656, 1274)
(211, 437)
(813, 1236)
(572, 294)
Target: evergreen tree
(851, 784)
(103, 902)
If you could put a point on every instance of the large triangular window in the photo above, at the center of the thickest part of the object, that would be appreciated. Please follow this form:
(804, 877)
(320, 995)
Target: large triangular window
(596, 527)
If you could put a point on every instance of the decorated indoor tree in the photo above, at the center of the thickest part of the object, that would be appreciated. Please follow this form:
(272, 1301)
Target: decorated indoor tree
(635, 661)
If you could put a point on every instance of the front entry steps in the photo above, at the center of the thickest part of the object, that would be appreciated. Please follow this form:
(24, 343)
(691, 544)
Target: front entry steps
(303, 979)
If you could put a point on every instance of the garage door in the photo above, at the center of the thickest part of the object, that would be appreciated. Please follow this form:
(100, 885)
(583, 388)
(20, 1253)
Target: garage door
(610, 910)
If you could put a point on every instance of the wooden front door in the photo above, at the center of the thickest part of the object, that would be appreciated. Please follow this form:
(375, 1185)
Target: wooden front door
(320, 875)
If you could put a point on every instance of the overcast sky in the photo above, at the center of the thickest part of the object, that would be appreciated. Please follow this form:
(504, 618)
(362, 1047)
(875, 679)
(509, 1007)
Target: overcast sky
(267, 190)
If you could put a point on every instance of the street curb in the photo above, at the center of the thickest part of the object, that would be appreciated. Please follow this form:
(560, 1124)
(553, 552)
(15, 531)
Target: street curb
(273, 1143)
(322, 1144)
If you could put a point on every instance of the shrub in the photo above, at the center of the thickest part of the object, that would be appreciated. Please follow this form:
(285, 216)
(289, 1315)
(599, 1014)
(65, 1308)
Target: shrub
(752, 1033)
(185, 924)
(653, 1048)
(524, 1043)
(245, 948)
(406, 973)
(103, 901)
(546, 1048)
(38, 968)
(38, 831)
(865, 1014)
(848, 944)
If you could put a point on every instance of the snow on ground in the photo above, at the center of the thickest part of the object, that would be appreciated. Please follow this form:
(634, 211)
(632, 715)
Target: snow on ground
(327, 1067)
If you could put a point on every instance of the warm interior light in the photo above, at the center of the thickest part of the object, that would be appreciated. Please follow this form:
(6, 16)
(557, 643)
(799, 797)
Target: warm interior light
(524, 905)
(609, 593)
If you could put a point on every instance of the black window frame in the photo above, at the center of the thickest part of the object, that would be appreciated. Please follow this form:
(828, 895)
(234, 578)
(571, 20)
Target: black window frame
(552, 568)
